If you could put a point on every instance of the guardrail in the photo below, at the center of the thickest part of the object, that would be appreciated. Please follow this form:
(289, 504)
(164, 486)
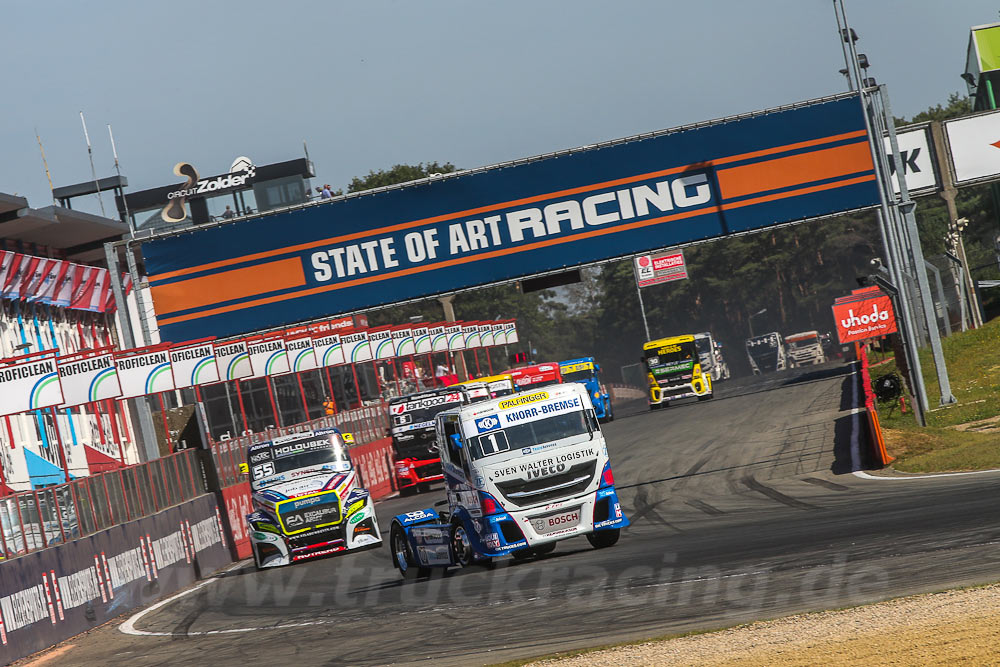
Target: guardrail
(34, 520)
(879, 453)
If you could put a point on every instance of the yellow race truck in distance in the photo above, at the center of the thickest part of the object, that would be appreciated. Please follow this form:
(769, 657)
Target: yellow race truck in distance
(674, 371)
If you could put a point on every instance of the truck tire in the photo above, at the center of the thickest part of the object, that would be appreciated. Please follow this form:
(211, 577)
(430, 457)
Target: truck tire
(706, 397)
(609, 412)
(402, 556)
(603, 539)
(462, 553)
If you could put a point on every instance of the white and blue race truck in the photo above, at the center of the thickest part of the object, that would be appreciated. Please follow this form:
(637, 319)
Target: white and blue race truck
(522, 473)
(307, 501)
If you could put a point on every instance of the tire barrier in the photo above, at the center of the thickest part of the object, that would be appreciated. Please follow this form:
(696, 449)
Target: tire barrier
(50, 595)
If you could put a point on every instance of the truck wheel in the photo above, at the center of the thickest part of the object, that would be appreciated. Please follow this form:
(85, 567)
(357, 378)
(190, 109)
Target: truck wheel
(609, 411)
(461, 547)
(706, 397)
(256, 559)
(604, 538)
(402, 557)
(655, 406)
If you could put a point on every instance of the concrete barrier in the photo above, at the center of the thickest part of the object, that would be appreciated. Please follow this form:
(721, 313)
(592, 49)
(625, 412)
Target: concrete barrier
(53, 594)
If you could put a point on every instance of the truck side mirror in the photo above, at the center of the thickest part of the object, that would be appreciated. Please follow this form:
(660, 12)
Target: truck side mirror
(456, 440)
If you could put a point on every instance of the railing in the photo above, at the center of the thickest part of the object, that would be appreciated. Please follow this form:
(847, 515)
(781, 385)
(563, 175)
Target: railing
(33, 520)
(366, 424)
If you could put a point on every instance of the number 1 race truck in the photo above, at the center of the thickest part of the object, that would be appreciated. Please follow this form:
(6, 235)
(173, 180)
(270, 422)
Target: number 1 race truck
(306, 499)
(416, 462)
(674, 371)
(522, 473)
(586, 371)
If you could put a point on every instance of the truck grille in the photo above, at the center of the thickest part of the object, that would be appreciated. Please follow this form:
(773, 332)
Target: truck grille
(307, 513)
(564, 485)
(429, 470)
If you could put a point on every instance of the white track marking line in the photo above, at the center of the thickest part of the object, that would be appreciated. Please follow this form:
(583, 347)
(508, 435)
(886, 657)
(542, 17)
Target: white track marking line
(864, 475)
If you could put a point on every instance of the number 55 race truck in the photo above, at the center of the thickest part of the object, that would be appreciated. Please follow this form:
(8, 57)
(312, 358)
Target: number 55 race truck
(522, 473)
(306, 499)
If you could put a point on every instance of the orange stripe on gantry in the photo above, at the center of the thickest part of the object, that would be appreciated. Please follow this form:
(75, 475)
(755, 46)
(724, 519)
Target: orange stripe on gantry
(794, 170)
(228, 285)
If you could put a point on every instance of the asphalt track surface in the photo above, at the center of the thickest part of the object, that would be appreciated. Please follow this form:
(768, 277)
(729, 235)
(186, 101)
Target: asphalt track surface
(742, 508)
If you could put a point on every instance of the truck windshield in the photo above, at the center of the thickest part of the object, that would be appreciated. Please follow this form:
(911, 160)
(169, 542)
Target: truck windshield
(670, 358)
(578, 376)
(276, 459)
(704, 346)
(578, 424)
(500, 388)
(804, 342)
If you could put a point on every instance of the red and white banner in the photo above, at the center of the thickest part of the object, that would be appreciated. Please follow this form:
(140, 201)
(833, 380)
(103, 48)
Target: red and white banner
(660, 268)
(866, 313)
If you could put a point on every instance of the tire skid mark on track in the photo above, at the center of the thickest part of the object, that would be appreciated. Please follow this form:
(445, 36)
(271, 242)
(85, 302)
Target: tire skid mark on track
(774, 494)
(704, 507)
(833, 486)
(691, 472)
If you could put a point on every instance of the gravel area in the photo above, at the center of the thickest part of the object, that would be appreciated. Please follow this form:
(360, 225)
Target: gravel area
(954, 627)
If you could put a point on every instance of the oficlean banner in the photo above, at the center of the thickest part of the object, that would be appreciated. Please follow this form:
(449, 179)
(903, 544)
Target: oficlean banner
(88, 377)
(144, 372)
(29, 383)
(194, 365)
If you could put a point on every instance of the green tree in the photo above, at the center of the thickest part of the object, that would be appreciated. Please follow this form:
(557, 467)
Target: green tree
(400, 173)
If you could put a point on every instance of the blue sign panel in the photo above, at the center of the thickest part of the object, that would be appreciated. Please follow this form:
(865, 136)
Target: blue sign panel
(513, 220)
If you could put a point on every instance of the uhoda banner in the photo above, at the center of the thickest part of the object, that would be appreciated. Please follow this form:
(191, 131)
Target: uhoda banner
(88, 377)
(232, 360)
(866, 313)
(194, 364)
(144, 371)
(30, 382)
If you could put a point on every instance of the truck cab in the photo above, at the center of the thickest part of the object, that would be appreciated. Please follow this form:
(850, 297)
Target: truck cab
(586, 371)
(766, 353)
(522, 473)
(416, 463)
(485, 388)
(529, 378)
(710, 356)
(674, 371)
(805, 348)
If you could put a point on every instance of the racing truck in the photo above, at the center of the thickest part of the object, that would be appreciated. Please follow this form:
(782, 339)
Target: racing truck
(485, 388)
(767, 353)
(529, 378)
(804, 348)
(674, 371)
(306, 499)
(522, 473)
(710, 356)
(416, 463)
(586, 371)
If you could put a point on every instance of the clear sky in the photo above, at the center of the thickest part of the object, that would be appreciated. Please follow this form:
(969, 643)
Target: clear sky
(375, 83)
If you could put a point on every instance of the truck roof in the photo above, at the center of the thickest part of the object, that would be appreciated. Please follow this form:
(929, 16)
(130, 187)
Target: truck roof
(669, 340)
(581, 360)
(487, 378)
(473, 410)
(421, 394)
(791, 338)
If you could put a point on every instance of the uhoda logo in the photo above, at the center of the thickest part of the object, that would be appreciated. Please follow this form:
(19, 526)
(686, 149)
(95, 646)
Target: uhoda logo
(853, 321)
(174, 211)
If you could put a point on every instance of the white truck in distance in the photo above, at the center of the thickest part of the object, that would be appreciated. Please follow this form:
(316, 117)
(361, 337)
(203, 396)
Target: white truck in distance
(766, 353)
(805, 348)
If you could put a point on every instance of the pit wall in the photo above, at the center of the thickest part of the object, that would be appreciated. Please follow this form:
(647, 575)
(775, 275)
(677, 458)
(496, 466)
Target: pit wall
(53, 594)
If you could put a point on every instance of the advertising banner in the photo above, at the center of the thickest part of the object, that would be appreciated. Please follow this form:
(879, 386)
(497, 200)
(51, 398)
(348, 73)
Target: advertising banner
(144, 371)
(864, 314)
(455, 334)
(301, 353)
(87, 377)
(329, 351)
(380, 340)
(499, 333)
(194, 364)
(661, 267)
(402, 340)
(503, 222)
(268, 356)
(511, 331)
(439, 338)
(486, 334)
(471, 332)
(232, 360)
(972, 141)
(30, 382)
(917, 158)
(356, 347)
(422, 340)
